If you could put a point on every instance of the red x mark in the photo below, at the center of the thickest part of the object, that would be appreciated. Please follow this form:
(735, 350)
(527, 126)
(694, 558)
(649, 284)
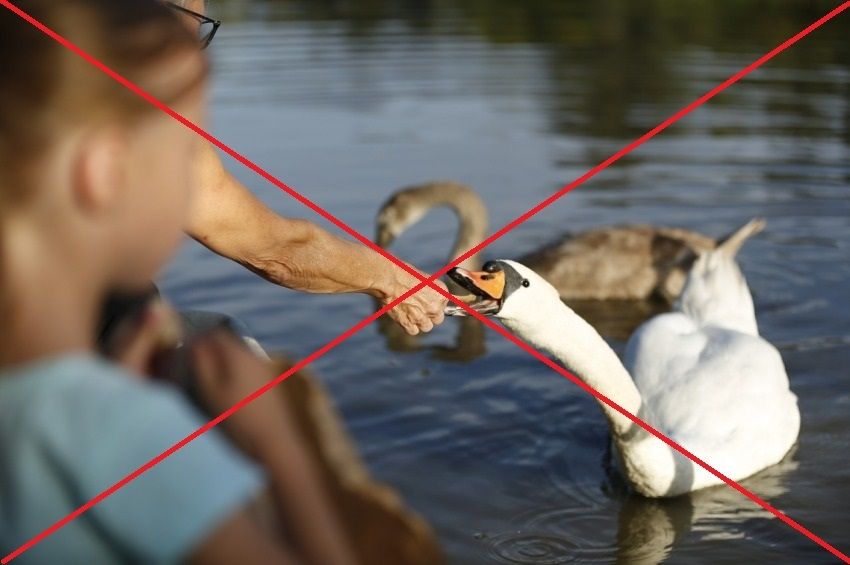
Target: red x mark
(429, 281)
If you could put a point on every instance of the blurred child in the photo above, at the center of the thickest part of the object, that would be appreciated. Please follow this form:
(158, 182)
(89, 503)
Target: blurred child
(93, 196)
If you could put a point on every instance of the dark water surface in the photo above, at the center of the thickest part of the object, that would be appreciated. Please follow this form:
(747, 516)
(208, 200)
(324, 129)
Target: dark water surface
(346, 101)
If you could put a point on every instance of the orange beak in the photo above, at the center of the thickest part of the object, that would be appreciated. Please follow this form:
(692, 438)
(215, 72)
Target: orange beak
(491, 284)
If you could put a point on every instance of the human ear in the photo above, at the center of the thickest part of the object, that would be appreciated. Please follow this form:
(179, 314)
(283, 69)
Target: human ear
(100, 171)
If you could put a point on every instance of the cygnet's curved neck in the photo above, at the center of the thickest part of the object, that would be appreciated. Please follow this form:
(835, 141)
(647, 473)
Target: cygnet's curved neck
(470, 233)
(470, 210)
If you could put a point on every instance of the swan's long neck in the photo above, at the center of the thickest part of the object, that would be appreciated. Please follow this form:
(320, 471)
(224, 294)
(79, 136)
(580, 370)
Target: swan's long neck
(572, 341)
(649, 464)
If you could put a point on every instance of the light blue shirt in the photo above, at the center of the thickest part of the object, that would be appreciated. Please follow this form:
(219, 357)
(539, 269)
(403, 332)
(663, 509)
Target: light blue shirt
(73, 426)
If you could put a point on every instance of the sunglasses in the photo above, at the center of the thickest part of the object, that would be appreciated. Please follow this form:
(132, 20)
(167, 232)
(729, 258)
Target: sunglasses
(206, 26)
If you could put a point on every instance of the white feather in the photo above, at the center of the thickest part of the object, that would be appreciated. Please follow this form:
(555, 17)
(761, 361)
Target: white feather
(701, 375)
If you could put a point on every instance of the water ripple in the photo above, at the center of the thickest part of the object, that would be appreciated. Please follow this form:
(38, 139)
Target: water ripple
(347, 100)
(539, 549)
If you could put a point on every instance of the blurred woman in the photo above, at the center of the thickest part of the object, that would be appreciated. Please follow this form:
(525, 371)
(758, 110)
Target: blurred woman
(94, 192)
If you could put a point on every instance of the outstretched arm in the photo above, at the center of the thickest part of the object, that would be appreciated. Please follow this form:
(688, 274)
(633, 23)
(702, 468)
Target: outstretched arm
(295, 253)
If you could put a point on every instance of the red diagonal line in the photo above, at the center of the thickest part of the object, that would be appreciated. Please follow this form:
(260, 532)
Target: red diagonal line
(673, 444)
(429, 281)
(652, 133)
(354, 233)
(203, 429)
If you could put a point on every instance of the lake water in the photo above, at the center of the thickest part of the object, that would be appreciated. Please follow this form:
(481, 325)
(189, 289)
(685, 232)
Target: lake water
(346, 101)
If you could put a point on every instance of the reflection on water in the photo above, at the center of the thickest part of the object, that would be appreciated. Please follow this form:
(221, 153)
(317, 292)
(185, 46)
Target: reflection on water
(644, 531)
(345, 101)
(467, 345)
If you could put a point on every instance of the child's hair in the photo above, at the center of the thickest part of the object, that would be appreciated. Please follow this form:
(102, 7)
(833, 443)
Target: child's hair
(46, 88)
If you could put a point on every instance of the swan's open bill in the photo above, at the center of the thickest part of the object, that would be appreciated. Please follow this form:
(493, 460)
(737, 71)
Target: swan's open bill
(701, 374)
(489, 288)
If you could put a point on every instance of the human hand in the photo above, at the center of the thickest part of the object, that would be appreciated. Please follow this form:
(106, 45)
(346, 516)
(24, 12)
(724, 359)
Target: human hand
(226, 371)
(138, 341)
(420, 312)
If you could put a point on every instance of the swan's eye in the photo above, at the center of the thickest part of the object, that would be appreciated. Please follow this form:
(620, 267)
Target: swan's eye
(526, 283)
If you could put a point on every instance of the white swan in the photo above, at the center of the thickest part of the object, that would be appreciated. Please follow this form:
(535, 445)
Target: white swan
(700, 374)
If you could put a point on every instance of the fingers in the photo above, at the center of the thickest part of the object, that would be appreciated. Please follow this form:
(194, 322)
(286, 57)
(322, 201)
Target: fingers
(214, 370)
(136, 346)
(205, 363)
(407, 324)
(221, 356)
(421, 312)
(439, 317)
(434, 308)
(416, 317)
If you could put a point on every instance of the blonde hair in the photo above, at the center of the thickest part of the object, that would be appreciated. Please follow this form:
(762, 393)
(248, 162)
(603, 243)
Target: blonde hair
(46, 88)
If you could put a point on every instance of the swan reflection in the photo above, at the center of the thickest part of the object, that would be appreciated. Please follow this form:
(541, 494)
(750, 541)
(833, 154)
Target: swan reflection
(468, 344)
(646, 531)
